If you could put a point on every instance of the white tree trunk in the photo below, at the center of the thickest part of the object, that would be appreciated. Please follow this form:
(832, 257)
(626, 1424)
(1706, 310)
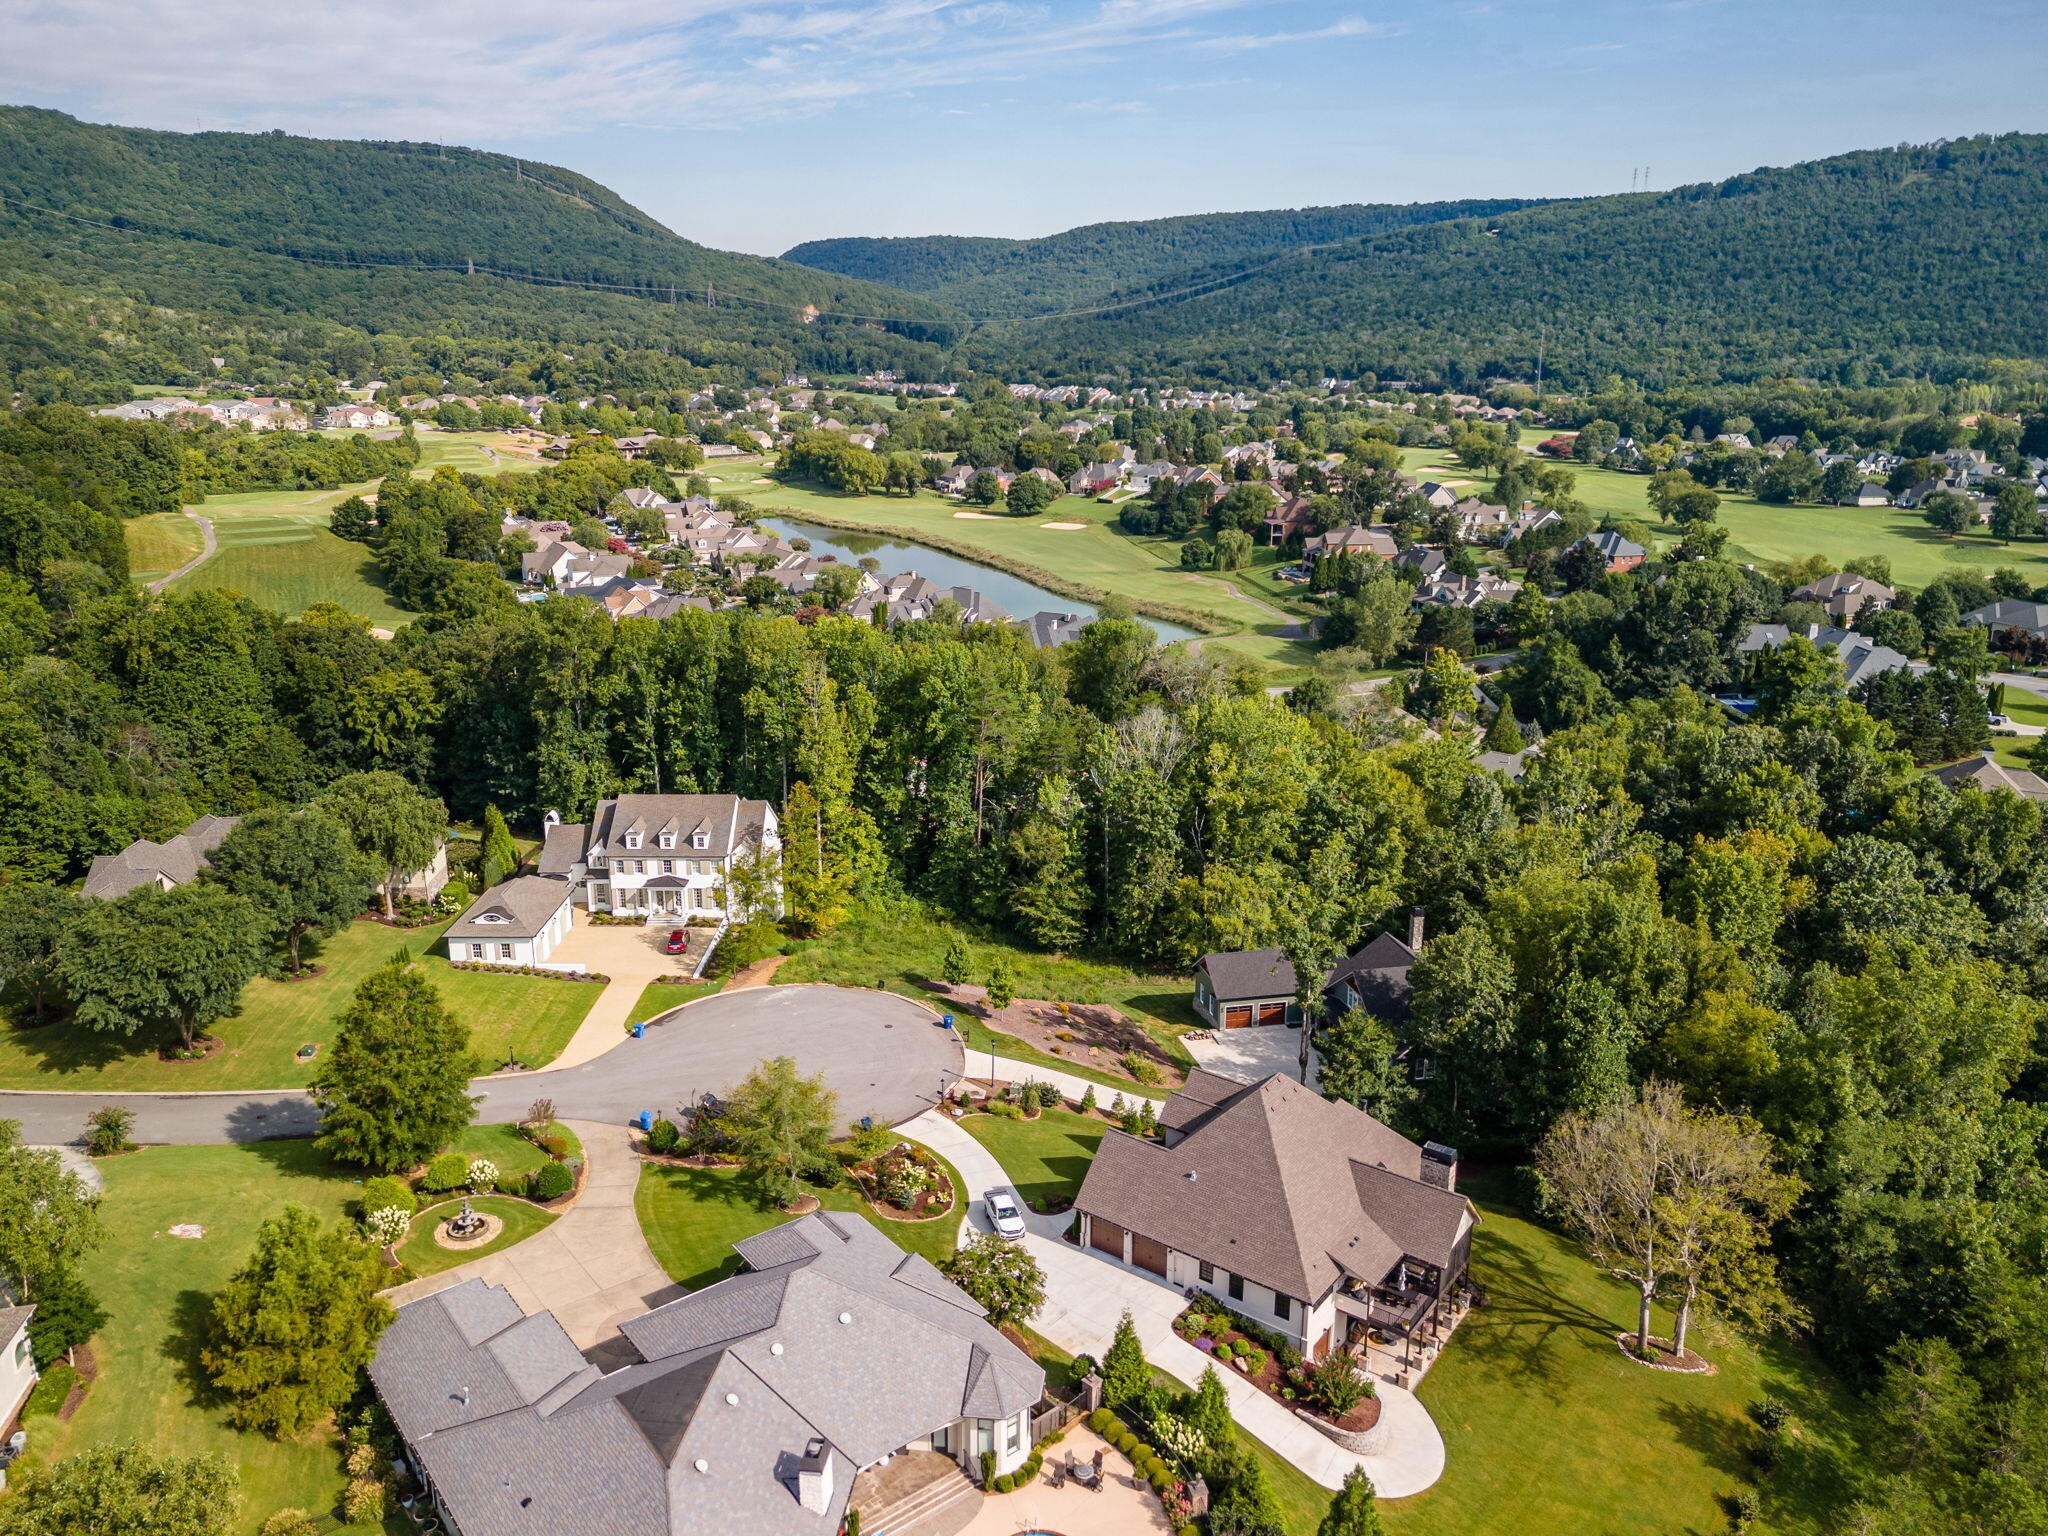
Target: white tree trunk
(1643, 1321)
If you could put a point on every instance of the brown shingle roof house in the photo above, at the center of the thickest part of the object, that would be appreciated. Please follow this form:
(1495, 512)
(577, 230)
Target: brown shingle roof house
(1308, 1216)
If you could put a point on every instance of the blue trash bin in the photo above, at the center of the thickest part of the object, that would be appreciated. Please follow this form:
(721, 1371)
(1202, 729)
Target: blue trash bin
(947, 1021)
(646, 1119)
(639, 1031)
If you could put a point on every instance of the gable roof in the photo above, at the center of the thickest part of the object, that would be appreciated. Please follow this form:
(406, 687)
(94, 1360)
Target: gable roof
(727, 821)
(1987, 773)
(519, 908)
(176, 860)
(840, 1351)
(1248, 973)
(1280, 1185)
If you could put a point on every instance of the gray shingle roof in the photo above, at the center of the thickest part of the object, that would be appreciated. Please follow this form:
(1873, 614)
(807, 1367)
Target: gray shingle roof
(844, 1347)
(1987, 773)
(1287, 1188)
(177, 860)
(517, 909)
(727, 821)
(1236, 975)
(562, 849)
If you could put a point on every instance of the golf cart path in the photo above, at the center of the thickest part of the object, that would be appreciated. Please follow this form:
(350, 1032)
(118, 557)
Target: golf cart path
(208, 544)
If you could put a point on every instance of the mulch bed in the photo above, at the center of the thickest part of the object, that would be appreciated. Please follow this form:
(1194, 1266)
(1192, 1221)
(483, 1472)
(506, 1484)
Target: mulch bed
(304, 973)
(88, 1367)
(1663, 1358)
(205, 1046)
(1092, 1035)
(1270, 1380)
(802, 1205)
(930, 1204)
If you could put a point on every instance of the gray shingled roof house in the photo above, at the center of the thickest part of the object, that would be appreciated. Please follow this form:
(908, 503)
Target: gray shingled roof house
(1235, 988)
(659, 856)
(1985, 772)
(1308, 1216)
(175, 861)
(1375, 976)
(746, 1409)
(518, 922)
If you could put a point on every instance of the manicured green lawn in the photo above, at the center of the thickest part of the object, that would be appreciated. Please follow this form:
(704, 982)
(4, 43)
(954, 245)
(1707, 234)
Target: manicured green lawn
(158, 1289)
(423, 1256)
(1098, 555)
(660, 996)
(513, 1154)
(1045, 1158)
(528, 1017)
(902, 947)
(159, 543)
(275, 548)
(480, 453)
(1543, 1417)
(693, 1216)
(1763, 533)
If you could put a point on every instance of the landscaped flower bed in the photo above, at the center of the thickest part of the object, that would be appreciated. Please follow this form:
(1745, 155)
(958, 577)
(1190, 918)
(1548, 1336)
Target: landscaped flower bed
(1330, 1392)
(906, 1183)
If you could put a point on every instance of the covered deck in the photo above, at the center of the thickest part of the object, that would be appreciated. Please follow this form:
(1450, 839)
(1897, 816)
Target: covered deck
(1399, 1323)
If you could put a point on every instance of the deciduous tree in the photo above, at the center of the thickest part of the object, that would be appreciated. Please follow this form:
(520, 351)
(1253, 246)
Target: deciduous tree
(34, 920)
(124, 1490)
(1001, 1276)
(392, 822)
(49, 1218)
(155, 961)
(782, 1124)
(299, 869)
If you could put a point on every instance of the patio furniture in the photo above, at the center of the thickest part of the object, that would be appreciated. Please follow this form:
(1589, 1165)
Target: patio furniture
(1059, 1473)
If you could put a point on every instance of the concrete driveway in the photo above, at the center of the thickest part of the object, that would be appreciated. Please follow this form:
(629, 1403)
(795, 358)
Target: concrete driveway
(1086, 1295)
(1250, 1055)
(883, 1055)
(632, 955)
(592, 1267)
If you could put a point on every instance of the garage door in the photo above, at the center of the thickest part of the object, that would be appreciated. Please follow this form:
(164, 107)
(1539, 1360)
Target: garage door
(1272, 1013)
(1107, 1236)
(1148, 1253)
(1237, 1015)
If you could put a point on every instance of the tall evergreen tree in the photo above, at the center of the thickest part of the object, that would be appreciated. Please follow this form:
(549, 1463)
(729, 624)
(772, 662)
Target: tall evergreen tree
(395, 1089)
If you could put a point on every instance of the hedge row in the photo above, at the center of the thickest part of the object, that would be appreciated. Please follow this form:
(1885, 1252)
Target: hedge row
(1145, 1461)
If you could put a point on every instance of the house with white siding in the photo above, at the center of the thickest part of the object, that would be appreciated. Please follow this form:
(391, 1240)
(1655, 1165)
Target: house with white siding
(664, 857)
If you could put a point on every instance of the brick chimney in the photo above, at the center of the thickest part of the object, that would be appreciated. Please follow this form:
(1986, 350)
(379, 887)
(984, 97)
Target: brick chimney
(1415, 919)
(1440, 1165)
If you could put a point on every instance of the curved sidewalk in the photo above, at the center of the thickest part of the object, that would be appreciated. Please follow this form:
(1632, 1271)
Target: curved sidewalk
(1086, 1293)
(591, 1266)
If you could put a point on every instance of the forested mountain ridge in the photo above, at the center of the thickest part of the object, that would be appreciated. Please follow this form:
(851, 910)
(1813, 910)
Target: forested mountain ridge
(239, 231)
(1920, 260)
(1005, 279)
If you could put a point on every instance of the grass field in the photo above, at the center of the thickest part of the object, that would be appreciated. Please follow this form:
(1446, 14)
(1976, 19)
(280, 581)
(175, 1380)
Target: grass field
(528, 1017)
(1551, 1431)
(157, 1290)
(693, 1216)
(661, 996)
(423, 1256)
(513, 1154)
(1097, 556)
(161, 542)
(1046, 1158)
(1764, 534)
(274, 548)
(901, 949)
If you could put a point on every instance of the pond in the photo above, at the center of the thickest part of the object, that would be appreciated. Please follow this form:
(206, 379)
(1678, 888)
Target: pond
(1014, 595)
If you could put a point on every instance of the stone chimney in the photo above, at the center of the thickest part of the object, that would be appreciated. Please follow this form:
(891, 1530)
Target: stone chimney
(1415, 920)
(1440, 1165)
(814, 1478)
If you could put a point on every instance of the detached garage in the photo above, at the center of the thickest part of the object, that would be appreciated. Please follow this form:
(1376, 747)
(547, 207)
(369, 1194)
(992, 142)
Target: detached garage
(1246, 989)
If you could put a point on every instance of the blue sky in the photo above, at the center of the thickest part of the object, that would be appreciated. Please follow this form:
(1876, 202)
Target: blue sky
(752, 124)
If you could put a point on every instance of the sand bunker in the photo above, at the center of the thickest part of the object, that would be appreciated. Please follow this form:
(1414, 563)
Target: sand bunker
(989, 517)
(1063, 525)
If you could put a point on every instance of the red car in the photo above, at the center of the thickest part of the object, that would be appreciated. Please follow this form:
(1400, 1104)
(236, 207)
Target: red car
(678, 941)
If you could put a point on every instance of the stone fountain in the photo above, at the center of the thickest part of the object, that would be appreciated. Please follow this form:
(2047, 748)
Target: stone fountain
(466, 1223)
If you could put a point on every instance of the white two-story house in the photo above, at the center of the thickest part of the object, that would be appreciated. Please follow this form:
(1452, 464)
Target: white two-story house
(667, 857)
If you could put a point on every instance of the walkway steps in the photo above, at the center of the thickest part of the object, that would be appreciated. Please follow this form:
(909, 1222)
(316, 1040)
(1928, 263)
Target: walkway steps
(940, 1508)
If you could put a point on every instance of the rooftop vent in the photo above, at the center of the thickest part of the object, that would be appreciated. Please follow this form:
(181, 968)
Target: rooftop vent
(701, 1464)
(732, 1399)
(775, 1348)
(1189, 1175)
(845, 1317)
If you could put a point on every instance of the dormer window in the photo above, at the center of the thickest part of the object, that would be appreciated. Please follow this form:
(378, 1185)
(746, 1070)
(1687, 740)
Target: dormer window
(700, 839)
(632, 839)
(668, 839)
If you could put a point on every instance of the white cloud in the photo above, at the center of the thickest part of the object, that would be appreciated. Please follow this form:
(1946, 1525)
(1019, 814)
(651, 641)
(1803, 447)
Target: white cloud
(465, 69)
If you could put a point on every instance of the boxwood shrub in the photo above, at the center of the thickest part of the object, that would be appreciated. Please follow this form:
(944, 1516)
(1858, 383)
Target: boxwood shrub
(385, 1191)
(448, 1171)
(550, 1181)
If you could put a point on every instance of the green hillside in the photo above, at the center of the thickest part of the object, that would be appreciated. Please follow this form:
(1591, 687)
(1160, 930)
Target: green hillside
(237, 234)
(1880, 264)
(1003, 279)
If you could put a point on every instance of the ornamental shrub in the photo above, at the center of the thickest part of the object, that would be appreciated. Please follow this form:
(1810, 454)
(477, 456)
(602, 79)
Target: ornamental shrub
(386, 1193)
(551, 1181)
(663, 1136)
(1100, 1420)
(388, 1224)
(448, 1171)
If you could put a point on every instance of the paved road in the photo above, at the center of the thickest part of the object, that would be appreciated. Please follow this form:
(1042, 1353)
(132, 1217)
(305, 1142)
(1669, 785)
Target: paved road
(883, 1055)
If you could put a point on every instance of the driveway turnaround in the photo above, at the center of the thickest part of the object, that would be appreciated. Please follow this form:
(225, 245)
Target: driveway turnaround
(1085, 1294)
(633, 956)
(883, 1055)
(591, 1268)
